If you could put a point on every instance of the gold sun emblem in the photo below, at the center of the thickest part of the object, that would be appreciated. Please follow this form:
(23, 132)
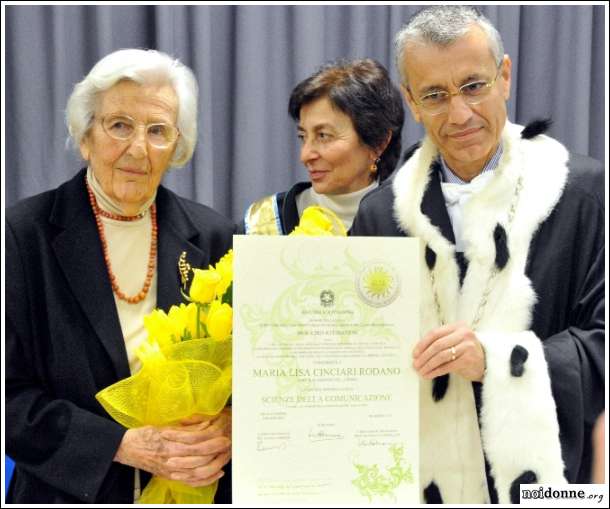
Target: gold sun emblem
(378, 282)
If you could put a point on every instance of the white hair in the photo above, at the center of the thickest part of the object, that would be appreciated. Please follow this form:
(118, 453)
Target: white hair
(143, 67)
(443, 25)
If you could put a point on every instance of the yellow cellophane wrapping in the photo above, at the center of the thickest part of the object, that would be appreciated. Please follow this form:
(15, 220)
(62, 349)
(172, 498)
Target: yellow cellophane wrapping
(175, 382)
(164, 491)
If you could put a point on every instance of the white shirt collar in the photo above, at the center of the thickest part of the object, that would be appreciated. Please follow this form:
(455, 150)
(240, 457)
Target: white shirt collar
(450, 177)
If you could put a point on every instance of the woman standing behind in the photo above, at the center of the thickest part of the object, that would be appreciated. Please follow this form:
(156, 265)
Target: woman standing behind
(349, 118)
(87, 261)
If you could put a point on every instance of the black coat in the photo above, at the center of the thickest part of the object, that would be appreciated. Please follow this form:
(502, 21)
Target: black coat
(64, 341)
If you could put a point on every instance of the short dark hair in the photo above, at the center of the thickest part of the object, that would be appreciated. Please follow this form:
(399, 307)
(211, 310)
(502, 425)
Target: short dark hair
(361, 89)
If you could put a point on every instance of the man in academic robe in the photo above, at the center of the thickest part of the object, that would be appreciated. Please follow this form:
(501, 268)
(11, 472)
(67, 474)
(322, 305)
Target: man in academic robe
(511, 357)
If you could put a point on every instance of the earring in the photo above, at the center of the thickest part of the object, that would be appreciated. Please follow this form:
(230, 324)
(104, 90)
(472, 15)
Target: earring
(373, 168)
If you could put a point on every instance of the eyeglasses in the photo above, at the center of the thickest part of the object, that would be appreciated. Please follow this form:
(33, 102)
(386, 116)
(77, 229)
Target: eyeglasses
(435, 103)
(123, 128)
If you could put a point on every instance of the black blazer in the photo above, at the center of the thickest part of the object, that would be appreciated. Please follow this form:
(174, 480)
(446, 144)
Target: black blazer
(64, 341)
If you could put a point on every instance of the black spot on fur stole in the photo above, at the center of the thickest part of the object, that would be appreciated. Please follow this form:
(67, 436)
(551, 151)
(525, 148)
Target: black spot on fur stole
(432, 495)
(430, 258)
(501, 242)
(439, 387)
(517, 360)
(536, 127)
(527, 477)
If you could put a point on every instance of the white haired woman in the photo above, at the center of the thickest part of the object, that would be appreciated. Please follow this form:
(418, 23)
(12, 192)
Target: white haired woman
(87, 261)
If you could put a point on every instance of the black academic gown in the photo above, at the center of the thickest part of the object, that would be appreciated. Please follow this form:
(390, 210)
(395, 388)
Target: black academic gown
(555, 284)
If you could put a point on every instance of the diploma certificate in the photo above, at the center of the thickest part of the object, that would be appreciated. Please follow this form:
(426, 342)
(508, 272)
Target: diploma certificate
(325, 398)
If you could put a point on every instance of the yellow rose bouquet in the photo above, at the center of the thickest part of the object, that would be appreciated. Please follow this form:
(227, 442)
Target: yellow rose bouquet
(319, 222)
(186, 370)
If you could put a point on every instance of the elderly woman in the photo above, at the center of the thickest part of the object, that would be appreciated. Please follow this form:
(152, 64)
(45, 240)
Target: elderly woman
(87, 261)
(349, 118)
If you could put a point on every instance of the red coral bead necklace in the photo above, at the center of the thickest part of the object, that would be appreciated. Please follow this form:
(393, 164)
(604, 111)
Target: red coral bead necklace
(152, 258)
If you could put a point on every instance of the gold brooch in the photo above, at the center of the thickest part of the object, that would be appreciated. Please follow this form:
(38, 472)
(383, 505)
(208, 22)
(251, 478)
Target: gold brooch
(184, 268)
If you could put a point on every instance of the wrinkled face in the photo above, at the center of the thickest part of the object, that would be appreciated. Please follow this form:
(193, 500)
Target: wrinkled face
(130, 171)
(331, 150)
(467, 135)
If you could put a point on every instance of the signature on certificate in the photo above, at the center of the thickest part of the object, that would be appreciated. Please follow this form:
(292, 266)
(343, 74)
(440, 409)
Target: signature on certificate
(262, 446)
(321, 436)
(369, 443)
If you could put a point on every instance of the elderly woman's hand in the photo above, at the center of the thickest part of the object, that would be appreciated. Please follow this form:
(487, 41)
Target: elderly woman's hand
(193, 453)
(200, 430)
(452, 348)
(218, 425)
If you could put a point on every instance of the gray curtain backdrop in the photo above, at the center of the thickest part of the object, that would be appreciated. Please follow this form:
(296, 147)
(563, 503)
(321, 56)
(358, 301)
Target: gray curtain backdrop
(247, 60)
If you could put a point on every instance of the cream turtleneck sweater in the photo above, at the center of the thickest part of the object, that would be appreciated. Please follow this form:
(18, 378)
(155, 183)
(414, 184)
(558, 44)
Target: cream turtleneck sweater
(344, 205)
(128, 249)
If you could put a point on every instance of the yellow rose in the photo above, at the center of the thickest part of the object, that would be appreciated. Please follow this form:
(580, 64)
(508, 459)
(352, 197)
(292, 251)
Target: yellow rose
(225, 268)
(219, 321)
(205, 282)
(183, 320)
(149, 352)
(313, 222)
(159, 327)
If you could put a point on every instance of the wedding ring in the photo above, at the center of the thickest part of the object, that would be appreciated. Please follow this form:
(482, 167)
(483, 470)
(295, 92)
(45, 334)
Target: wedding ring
(453, 353)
